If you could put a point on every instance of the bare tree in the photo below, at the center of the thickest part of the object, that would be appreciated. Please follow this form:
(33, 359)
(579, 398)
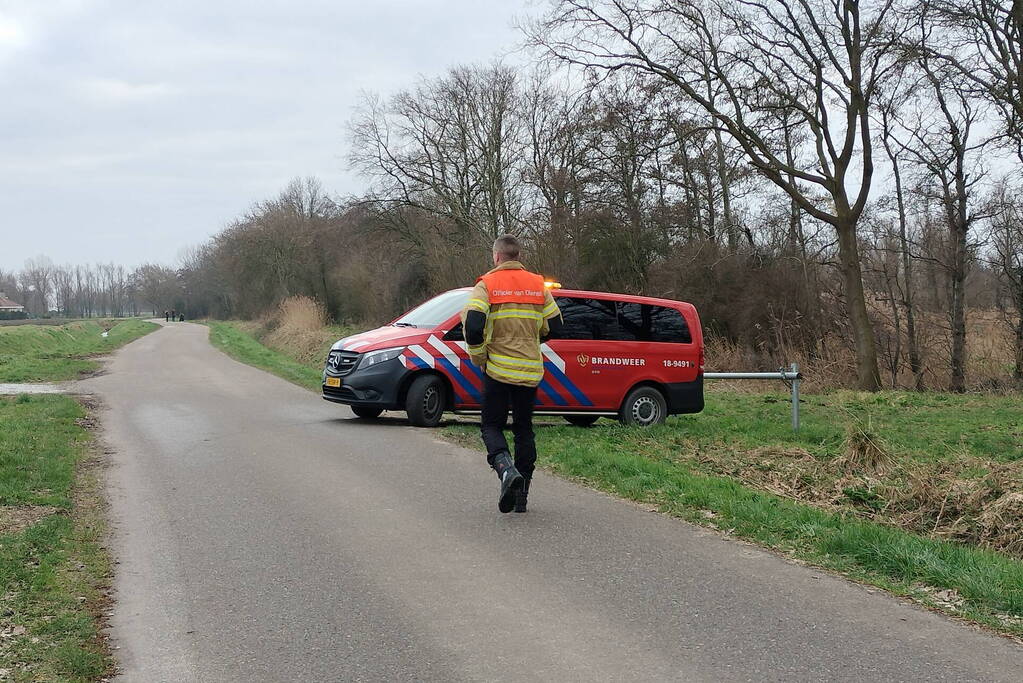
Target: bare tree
(943, 148)
(451, 147)
(1007, 260)
(556, 172)
(818, 63)
(985, 46)
(888, 110)
(37, 281)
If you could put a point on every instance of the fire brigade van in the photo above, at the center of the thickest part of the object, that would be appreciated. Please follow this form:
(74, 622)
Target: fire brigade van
(635, 358)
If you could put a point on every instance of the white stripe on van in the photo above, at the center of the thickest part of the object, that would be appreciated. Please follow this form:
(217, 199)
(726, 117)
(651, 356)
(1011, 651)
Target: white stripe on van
(424, 355)
(554, 358)
(445, 351)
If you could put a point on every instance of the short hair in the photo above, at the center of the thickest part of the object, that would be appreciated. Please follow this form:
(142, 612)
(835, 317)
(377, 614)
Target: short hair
(507, 246)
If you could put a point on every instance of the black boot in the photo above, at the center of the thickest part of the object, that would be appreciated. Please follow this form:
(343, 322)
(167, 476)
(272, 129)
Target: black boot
(522, 495)
(511, 481)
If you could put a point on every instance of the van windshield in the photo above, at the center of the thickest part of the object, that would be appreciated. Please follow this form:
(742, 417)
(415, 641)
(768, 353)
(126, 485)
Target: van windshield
(436, 310)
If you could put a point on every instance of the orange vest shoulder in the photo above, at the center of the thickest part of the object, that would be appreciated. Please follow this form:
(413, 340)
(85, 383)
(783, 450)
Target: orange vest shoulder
(514, 287)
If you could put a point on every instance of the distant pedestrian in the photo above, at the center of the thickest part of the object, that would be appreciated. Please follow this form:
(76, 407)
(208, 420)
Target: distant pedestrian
(174, 315)
(181, 318)
(508, 314)
(166, 315)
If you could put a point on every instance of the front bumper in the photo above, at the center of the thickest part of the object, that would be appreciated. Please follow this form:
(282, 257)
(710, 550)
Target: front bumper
(378, 386)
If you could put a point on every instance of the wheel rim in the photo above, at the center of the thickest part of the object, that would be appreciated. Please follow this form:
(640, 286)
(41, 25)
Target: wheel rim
(645, 410)
(431, 401)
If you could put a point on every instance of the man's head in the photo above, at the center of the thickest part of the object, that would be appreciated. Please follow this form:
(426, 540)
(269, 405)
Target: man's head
(506, 248)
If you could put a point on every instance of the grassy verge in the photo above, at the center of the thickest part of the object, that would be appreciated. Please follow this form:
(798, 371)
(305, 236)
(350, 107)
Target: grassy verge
(243, 346)
(823, 495)
(53, 569)
(35, 353)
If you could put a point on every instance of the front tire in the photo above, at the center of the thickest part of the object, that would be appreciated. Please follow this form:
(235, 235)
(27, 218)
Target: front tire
(366, 413)
(424, 403)
(643, 407)
(582, 420)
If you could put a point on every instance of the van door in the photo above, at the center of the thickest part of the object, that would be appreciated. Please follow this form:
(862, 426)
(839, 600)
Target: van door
(573, 380)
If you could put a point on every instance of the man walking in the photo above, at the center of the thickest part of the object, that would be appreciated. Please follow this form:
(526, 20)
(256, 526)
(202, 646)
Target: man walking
(509, 312)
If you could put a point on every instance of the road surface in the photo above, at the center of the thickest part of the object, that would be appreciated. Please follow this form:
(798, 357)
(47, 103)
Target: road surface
(264, 534)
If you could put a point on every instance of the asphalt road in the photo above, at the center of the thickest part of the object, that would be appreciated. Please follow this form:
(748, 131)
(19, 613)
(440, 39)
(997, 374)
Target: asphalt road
(264, 534)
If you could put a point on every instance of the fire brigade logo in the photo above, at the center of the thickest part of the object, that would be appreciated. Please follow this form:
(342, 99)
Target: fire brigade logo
(583, 359)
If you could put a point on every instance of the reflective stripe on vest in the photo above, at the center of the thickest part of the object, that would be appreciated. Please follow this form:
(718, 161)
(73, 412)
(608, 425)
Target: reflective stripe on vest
(503, 371)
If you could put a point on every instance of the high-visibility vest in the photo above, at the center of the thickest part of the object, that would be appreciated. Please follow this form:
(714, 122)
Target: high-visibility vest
(514, 286)
(514, 302)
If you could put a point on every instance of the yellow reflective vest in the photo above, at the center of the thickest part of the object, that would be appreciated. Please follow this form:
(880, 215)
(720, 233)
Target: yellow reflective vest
(517, 306)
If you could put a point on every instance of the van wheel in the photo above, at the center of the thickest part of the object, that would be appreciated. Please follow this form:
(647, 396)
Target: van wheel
(366, 412)
(582, 420)
(425, 401)
(643, 407)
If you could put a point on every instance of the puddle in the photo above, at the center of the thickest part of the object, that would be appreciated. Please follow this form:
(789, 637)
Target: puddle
(7, 389)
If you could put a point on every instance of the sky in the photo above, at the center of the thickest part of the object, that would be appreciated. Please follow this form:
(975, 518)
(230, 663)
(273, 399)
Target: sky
(132, 129)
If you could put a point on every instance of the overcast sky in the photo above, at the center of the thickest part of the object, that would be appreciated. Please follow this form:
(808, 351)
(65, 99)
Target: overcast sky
(130, 129)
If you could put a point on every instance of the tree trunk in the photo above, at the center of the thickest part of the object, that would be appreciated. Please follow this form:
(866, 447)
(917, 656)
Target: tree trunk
(915, 362)
(868, 377)
(1017, 372)
(731, 228)
(795, 236)
(957, 314)
(896, 359)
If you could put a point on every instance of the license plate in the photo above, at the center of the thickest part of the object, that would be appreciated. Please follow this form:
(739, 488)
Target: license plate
(333, 381)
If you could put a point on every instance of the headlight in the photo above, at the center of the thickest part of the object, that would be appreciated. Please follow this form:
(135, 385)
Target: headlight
(374, 357)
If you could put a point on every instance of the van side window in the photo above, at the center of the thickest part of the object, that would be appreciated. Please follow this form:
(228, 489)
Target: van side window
(587, 319)
(645, 322)
(455, 334)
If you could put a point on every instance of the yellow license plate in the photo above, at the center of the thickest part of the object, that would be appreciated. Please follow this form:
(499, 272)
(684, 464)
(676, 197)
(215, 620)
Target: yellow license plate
(333, 381)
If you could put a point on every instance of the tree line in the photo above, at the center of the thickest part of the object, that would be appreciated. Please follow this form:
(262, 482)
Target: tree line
(834, 180)
(87, 291)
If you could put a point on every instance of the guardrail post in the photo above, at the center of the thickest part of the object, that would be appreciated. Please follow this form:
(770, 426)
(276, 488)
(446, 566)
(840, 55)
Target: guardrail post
(795, 397)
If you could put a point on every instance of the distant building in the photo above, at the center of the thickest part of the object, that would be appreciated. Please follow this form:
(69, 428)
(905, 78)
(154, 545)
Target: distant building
(8, 306)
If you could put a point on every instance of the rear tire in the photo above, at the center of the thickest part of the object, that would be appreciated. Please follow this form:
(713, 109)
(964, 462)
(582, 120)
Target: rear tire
(424, 403)
(643, 407)
(366, 413)
(582, 420)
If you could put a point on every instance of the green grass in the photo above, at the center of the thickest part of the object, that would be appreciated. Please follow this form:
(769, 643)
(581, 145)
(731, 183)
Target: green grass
(52, 573)
(696, 468)
(921, 426)
(990, 583)
(242, 346)
(37, 353)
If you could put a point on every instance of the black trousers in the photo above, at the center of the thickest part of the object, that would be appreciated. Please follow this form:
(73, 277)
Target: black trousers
(498, 397)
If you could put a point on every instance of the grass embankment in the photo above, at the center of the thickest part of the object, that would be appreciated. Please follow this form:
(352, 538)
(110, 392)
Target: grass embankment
(873, 486)
(293, 345)
(36, 353)
(242, 345)
(53, 570)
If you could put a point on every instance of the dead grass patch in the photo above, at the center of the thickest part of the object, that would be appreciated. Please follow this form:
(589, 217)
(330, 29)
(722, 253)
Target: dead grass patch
(299, 327)
(865, 453)
(968, 499)
(17, 518)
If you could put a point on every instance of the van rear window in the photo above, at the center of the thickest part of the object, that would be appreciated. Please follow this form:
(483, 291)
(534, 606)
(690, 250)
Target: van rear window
(604, 320)
(645, 322)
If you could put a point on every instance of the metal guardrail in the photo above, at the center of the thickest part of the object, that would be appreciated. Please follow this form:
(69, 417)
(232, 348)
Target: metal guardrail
(792, 376)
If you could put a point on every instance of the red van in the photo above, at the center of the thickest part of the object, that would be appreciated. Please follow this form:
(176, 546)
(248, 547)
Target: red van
(635, 358)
